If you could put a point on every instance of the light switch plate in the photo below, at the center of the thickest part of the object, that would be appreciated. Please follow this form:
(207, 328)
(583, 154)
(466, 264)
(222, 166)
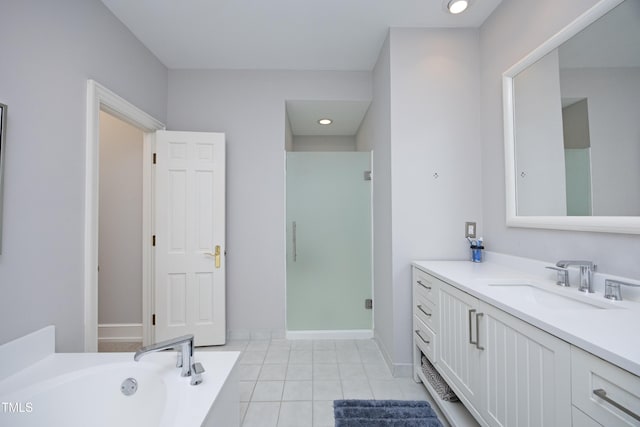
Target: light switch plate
(470, 230)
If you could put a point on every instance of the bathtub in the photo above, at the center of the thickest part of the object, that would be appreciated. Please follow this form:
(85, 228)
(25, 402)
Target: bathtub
(80, 389)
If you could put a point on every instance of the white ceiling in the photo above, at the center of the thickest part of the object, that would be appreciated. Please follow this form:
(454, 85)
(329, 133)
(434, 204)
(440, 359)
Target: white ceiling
(343, 35)
(281, 34)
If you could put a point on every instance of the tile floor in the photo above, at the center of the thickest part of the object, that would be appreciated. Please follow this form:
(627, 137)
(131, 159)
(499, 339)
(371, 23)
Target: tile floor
(294, 383)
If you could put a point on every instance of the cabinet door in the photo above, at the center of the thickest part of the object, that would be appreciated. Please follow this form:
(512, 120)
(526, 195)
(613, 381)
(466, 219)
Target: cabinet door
(527, 373)
(459, 359)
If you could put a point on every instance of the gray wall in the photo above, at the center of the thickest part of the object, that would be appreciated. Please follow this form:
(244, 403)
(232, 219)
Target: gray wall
(249, 106)
(423, 120)
(575, 125)
(435, 129)
(288, 134)
(324, 143)
(120, 235)
(49, 50)
(510, 33)
(375, 135)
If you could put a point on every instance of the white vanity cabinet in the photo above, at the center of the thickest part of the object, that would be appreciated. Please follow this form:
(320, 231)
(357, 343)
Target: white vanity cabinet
(505, 371)
(426, 333)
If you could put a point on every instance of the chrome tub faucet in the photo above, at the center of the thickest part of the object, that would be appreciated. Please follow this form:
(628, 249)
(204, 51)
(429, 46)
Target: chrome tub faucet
(184, 346)
(586, 272)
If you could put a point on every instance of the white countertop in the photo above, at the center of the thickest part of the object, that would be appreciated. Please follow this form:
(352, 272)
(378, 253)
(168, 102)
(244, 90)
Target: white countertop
(611, 334)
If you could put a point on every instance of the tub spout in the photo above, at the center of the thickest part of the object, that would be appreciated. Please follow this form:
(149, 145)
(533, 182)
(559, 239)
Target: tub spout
(184, 346)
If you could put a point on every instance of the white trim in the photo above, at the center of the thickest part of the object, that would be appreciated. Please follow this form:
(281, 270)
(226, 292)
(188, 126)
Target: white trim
(148, 225)
(120, 332)
(608, 224)
(352, 334)
(255, 334)
(383, 349)
(101, 98)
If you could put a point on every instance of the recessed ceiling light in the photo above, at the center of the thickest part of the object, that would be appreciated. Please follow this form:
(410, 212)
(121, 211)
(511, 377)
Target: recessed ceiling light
(325, 121)
(458, 6)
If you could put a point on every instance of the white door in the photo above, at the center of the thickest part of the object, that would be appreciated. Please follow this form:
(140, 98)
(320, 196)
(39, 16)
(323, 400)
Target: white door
(190, 236)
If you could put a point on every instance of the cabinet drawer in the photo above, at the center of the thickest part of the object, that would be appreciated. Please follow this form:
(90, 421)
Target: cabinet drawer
(425, 285)
(424, 337)
(601, 390)
(426, 311)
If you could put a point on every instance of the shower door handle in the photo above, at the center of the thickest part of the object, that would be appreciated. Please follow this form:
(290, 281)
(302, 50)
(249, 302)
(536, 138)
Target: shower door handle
(295, 243)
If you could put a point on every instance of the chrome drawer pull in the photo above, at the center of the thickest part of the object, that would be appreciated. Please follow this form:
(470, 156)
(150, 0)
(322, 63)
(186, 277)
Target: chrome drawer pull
(420, 336)
(478, 316)
(603, 395)
(422, 310)
(423, 285)
(470, 321)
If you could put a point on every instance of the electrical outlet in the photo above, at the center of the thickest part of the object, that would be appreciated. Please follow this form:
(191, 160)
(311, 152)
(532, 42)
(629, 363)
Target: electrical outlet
(470, 230)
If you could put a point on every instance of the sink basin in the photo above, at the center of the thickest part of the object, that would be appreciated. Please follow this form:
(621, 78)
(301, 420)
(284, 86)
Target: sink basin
(526, 292)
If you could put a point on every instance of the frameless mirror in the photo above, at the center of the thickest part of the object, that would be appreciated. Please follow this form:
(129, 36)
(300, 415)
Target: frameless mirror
(572, 129)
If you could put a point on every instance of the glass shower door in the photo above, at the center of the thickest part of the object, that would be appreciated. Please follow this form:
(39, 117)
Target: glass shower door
(328, 241)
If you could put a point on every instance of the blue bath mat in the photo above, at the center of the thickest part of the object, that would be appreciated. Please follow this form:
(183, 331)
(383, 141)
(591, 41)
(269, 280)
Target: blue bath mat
(384, 413)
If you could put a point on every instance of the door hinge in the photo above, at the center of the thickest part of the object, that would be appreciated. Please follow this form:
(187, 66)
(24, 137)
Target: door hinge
(367, 175)
(368, 303)
(154, 158)
(153, 240)
(153, 319)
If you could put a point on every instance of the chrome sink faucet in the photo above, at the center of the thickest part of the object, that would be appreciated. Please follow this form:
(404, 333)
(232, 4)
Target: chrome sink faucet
(184, 346)
(586, 272)
(612, 289)
(562, 275)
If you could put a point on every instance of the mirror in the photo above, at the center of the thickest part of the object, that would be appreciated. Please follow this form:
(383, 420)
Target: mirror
(572, 126)
(3, 132)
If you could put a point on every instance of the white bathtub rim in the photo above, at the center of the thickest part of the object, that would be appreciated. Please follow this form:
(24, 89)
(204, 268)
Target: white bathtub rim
(27, 350)
(32, 390)
(192, 404)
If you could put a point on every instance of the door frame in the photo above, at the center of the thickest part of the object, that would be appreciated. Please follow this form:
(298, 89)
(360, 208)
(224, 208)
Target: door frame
(100, 98)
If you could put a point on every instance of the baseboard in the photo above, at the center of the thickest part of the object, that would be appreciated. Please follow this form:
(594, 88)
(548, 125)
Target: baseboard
(398, 370)
(352, 334)
(254, 334)
(385, 354)
(120, 332)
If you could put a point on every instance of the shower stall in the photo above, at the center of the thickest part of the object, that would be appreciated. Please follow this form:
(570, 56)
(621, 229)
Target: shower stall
(329, 279)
